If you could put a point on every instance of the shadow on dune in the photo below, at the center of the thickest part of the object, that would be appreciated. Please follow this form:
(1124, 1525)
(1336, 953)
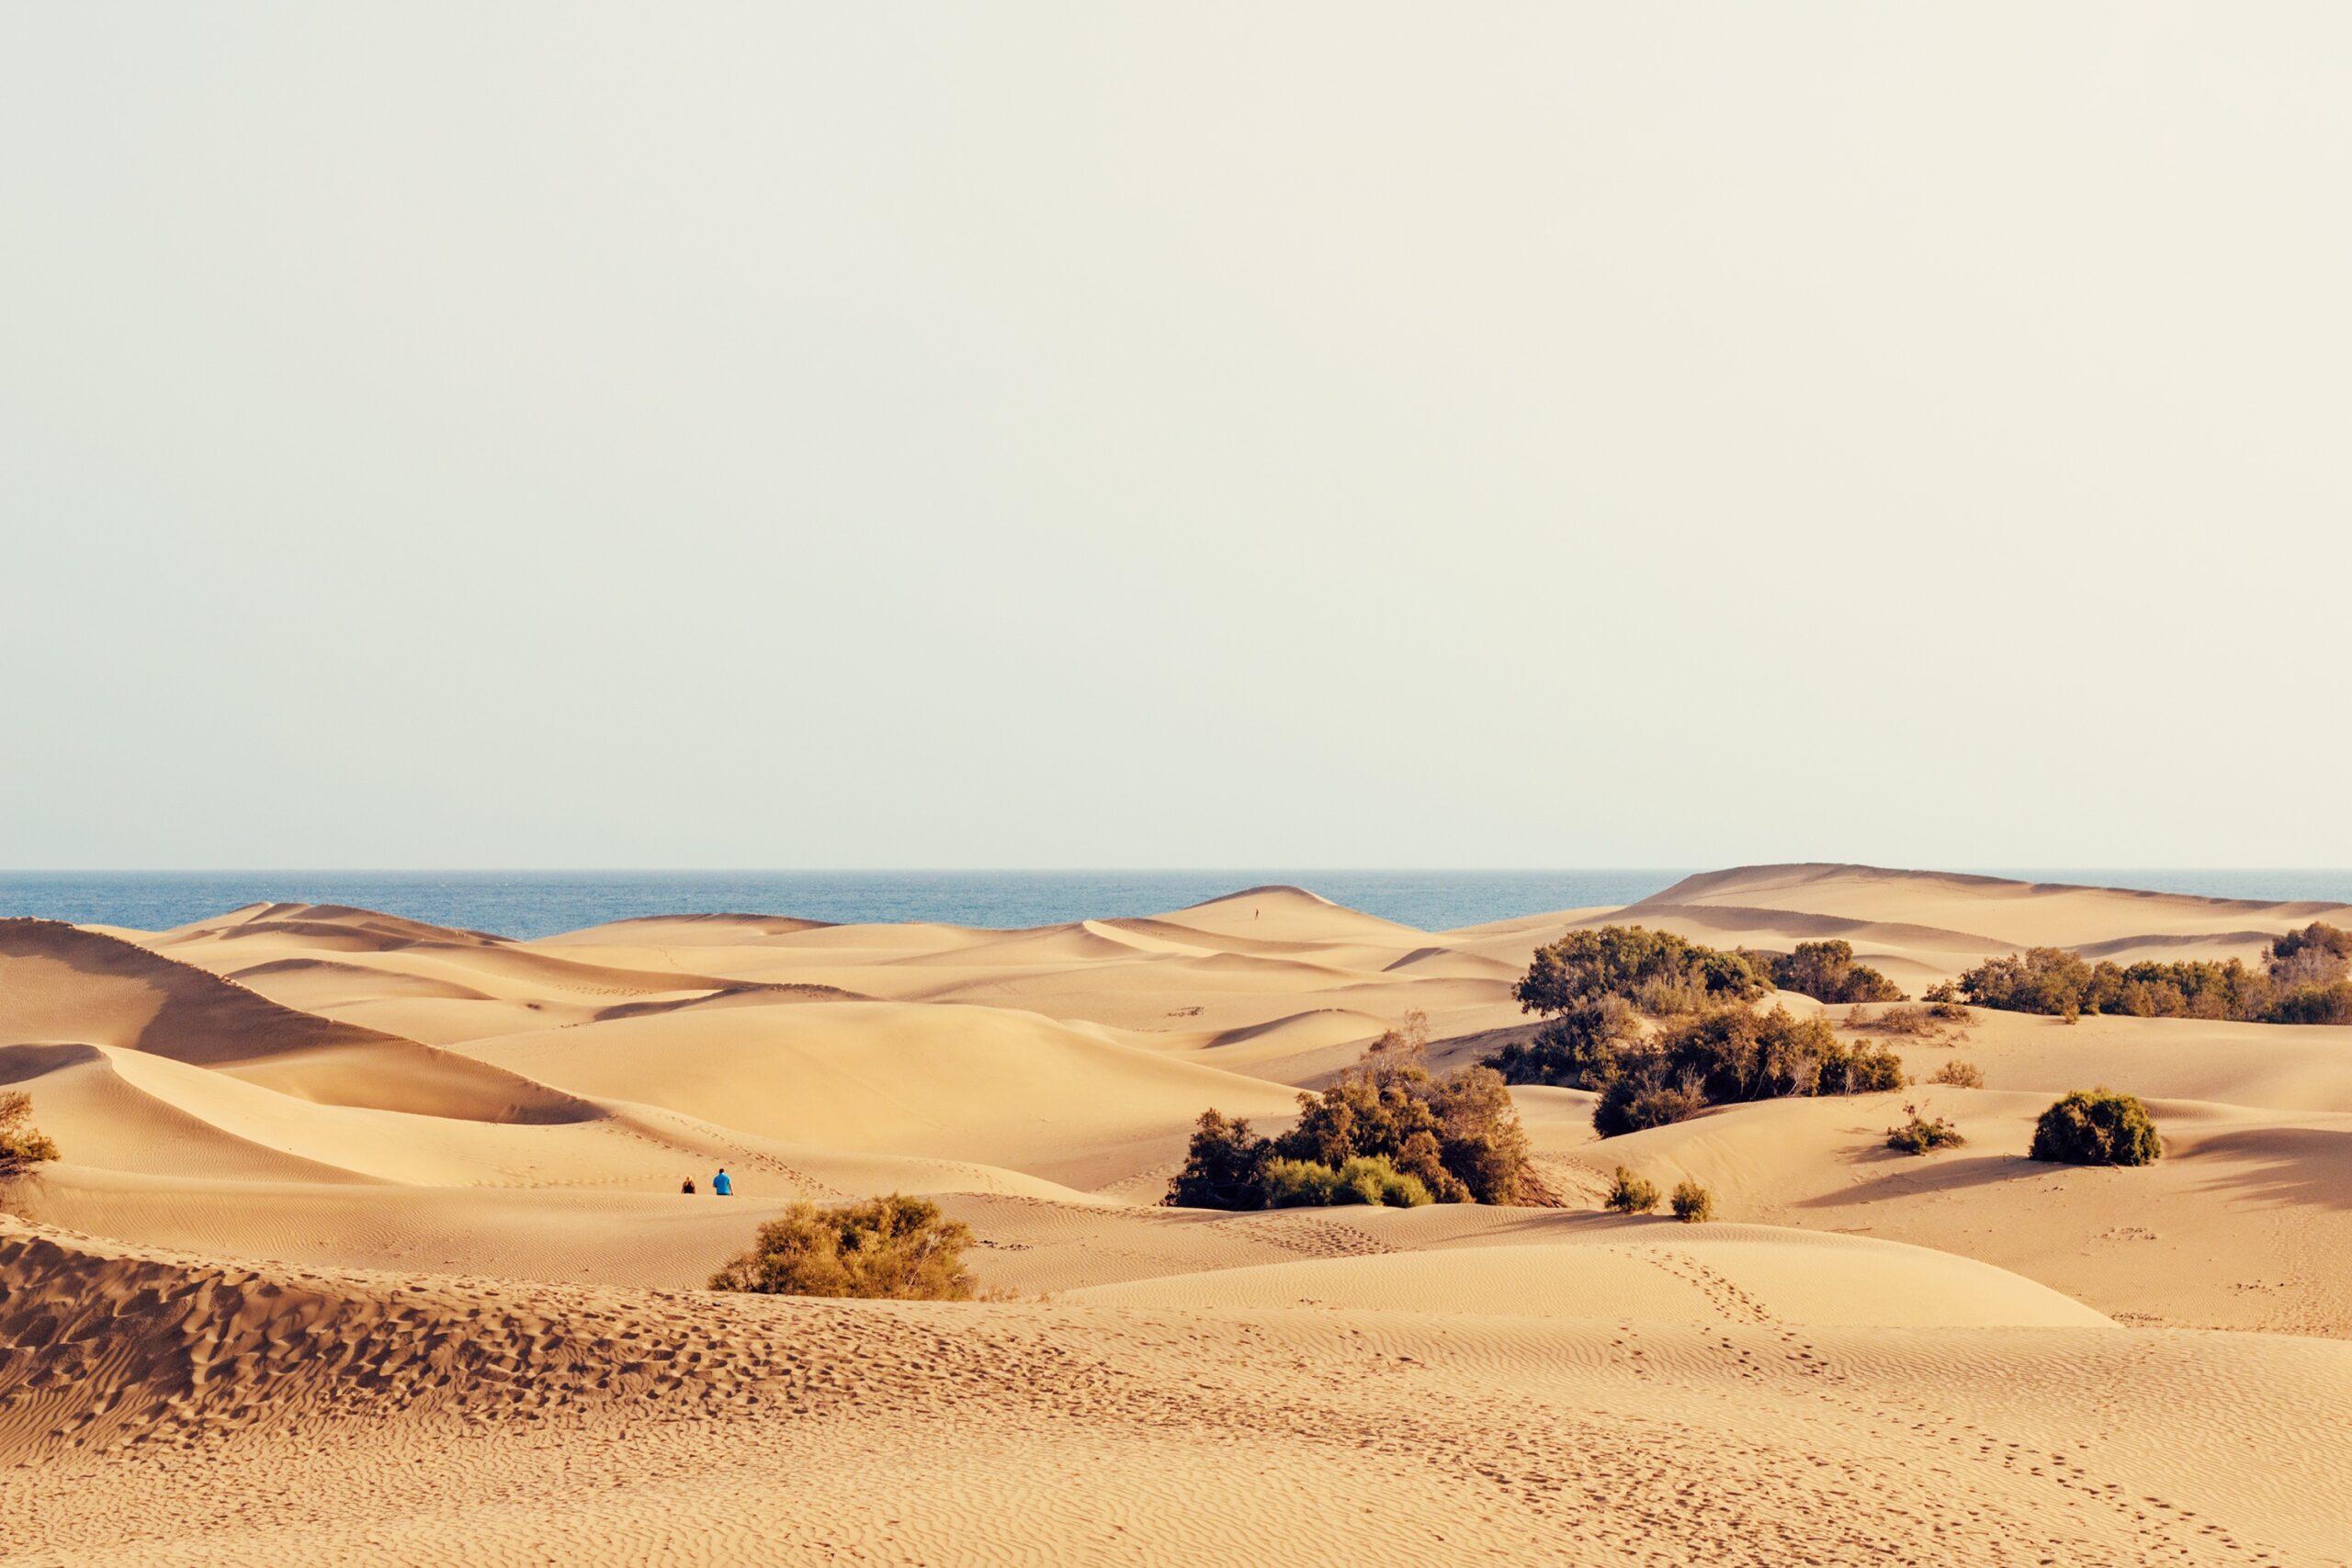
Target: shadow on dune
(2287, 1167)
(1914, 1175)
(22, 1064)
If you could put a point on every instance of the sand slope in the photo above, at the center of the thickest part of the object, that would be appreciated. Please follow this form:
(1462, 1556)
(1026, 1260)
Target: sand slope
(336, 1415)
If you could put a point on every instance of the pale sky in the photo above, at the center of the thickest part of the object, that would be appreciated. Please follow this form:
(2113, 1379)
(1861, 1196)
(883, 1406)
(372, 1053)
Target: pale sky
(1109, 434)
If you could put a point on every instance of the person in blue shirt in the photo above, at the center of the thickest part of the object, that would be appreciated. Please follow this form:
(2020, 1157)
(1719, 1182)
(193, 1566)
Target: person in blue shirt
(721, 1185)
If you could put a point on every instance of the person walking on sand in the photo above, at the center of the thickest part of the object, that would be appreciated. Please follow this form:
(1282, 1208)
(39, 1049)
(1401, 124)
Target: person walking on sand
(721, 1185)
(687, 1186)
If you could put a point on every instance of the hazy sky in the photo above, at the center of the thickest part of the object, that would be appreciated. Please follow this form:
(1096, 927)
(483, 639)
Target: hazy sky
(1102, 434)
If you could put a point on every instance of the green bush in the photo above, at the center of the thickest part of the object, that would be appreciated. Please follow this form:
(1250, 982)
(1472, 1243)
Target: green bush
(2307, 979)
(1458, 1138)
(2315, 1004)
(1655, 970)
(1646, 1098)
(1865, 1067)
(1297, 1183)
(896, 1248)
(1693, 1204)
(1583, 1047)
(1919, 1135)
(1225, 1168)
(2096, 1128)
(1632, 1194)
(22, 1144)
(1959, 1075)
(1826, 972)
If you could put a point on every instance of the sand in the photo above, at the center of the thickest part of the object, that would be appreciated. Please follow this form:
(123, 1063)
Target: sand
(368, 1248)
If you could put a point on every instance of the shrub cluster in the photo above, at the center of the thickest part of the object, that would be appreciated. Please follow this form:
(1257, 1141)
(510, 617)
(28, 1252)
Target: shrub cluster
(895, 1246)
(2099, 1127)
(1385, 1130)
(1601, 990)
(1729, 1056)
(1632, 1194)
(1302, 1184)
(22, 1144)
(2307, 979)
(1693, 1203)
(1959, 1075)
(1657, 972)
(1826, 972)
(1919, 1135)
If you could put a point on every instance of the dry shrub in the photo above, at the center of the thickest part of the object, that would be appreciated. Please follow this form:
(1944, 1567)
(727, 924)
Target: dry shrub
(1693, 1204)
(896, 1248)
(22, 1144)
(1919, 1135)
(1631, 1194)
(1458, 1137)
(2097, 1127)
(1959, 1075)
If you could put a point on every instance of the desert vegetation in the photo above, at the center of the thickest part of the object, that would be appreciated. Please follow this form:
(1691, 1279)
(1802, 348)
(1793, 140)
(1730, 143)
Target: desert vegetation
(1664, 1028)
(1919, 1135)
(1303, 1184)
(1386, 1131)
(2307, 979)
(1826, 972)
(1693, 1203)
(1958, 1074)
(1913, 1019)
(895, 1246)
(1631, 1194)
(22, 1144)
(2097, 1127)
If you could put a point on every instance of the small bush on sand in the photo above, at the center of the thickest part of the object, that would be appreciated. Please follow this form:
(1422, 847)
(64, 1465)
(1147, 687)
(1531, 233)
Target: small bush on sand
(1867, 1066)
(1908, 1021)
(1959, 1075)
(1919, 1135)
(22, 1144)
(2097, 1128)
(1458, 1137)
(1657, 971)
(1648, 1098)
(1225, 1168)
(897, 1247)
(1826, 972)
(1631, 1195)
(1693, 1204)
(1583, 1047)
(1302, 1184)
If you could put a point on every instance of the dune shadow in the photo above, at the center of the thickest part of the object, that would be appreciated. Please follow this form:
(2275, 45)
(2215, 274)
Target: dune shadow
(2289, 1167)
(1919, 1174)
(22, 1064)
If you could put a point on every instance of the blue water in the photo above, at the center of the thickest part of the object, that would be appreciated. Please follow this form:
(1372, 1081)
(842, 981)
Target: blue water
(541, 903)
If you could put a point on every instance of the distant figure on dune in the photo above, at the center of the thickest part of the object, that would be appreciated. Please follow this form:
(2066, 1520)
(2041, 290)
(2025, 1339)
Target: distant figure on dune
(687, 1185)
(721, 1185)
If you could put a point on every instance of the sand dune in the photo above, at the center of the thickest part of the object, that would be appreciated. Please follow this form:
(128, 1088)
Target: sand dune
(1660, 1272)
(366, 1245)
(337, 1414)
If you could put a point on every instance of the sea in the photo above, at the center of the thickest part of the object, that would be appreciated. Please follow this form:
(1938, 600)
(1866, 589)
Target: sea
(525, 904)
